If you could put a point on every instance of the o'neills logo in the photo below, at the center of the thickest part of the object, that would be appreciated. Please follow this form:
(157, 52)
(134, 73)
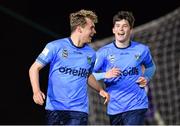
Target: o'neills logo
(131, 71)
(75, 72)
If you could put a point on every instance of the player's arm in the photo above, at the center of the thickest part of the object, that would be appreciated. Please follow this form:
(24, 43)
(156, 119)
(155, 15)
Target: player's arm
(99, 64)
(38, 95)
(113, 72)
(95, 85)
(147, 76)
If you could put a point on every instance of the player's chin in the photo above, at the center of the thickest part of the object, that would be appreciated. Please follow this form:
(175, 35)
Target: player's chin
(89, 40)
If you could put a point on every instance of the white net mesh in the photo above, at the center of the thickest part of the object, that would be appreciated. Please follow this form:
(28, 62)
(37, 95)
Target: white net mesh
(163, 37)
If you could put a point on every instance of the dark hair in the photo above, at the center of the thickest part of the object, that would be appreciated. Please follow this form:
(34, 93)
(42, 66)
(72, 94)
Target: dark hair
(124, 15)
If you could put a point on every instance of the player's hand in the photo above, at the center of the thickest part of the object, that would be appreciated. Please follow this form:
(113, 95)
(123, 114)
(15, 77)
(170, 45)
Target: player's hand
(39, 97)
(105, 95)
(114, 72)
(142, 81)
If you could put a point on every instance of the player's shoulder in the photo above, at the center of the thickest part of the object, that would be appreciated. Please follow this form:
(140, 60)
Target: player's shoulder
(89, 48)
(58, 43)
(138, 44)
(106, 47)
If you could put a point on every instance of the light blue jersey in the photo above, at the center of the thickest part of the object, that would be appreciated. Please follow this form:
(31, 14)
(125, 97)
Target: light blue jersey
(125, 93)
(70, 67)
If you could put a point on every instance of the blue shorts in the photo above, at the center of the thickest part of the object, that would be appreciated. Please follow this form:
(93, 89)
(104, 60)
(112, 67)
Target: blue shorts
(133, 117)
(66, 118)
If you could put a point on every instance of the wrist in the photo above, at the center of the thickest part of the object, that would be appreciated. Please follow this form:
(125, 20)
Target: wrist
(99, 76)
(100, 91)
(147, 79)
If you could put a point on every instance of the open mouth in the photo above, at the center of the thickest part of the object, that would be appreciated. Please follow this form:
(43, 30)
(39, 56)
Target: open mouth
(121, 34)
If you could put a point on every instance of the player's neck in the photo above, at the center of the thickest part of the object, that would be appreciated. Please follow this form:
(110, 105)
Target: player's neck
(122, 44)
(76, 41)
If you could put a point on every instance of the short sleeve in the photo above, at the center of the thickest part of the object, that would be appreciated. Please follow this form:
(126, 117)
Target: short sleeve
(47, 54)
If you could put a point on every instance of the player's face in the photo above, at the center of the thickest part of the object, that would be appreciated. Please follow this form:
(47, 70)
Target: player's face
(88, 31)
(122, 31)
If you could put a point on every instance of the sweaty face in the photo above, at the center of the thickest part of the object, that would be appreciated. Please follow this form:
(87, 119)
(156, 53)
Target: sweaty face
(88, 31)
(122, 31)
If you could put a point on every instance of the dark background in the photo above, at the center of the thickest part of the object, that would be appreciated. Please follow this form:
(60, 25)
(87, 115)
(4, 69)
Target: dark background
(27, 25)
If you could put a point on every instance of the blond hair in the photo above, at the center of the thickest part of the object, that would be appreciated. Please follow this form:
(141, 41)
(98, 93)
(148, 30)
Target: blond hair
(79, 18)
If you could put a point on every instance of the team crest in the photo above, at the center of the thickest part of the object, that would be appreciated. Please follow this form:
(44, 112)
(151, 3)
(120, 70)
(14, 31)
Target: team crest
(65, 53)
(137, 56)
(111, 58)
(89, 60)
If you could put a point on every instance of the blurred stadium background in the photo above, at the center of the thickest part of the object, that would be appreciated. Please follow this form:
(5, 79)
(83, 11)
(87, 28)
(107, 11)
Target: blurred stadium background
(26, 26)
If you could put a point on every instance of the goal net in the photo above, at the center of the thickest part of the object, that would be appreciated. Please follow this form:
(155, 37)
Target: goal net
(163, 37)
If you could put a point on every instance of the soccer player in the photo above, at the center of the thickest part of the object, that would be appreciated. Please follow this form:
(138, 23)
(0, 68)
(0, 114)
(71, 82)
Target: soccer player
(71, 63)
(119, 64)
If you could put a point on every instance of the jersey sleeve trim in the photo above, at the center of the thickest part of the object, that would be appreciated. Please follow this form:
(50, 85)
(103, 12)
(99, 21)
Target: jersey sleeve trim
(41, 61)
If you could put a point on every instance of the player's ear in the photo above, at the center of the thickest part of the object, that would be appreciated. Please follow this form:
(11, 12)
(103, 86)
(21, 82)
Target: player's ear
(79, 29)
(113, 30)
(131, 31)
